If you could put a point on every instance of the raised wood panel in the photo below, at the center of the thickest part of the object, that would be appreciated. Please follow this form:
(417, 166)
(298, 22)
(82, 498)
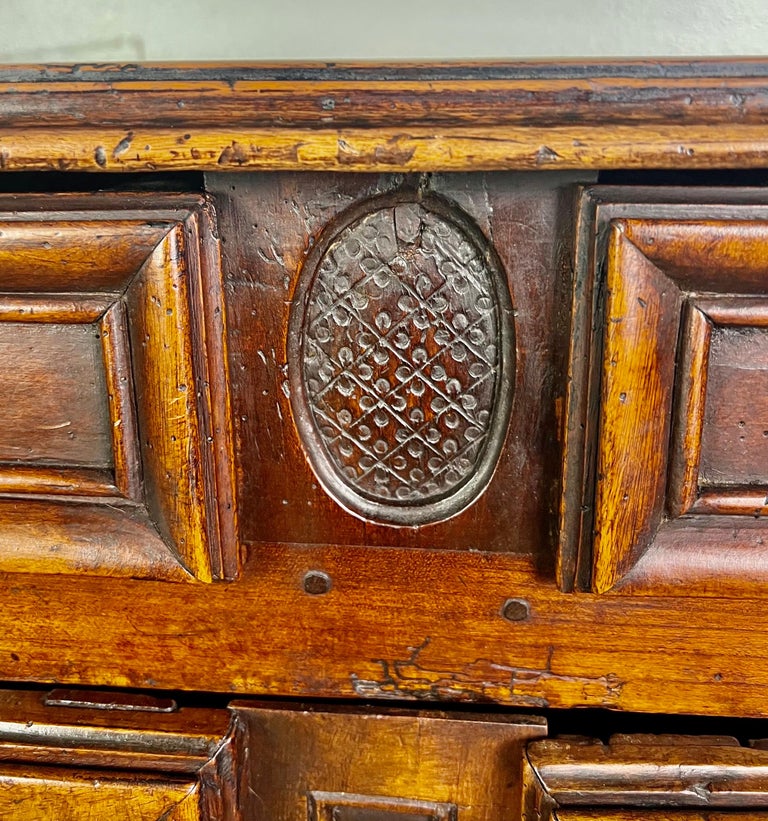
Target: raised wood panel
(675, 377)
(115, 453)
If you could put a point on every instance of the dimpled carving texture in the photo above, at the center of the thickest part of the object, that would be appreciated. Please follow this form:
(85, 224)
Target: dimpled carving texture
(401, 355)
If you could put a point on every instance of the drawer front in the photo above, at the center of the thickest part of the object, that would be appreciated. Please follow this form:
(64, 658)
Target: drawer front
(326, 764)
(40, 794)
(115, 456)
(674, 403)
(86, 756)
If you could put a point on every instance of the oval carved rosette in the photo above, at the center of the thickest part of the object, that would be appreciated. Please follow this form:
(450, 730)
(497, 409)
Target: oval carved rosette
(401, 358)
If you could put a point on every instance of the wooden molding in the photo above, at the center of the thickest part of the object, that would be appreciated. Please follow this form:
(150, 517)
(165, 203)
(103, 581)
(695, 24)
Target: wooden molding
(388, 117)
(128, 763)
(160, 379)
(677, 289)
(580, 778)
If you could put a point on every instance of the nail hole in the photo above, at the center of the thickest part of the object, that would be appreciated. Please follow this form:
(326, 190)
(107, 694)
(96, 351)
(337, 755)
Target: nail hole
(317, 583)
(516, 610)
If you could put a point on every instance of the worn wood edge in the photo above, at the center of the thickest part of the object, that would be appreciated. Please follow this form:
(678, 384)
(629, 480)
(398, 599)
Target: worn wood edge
(575, 509)
(167, 404)
(616, 546)
(683, 664)
(75, 794)
(751, 312)
(650, 774)
(115, 347)
(21, 479)
(688, 410)
(378, 149)
(731, 564)
(610, 814)
(64, 549)
(346, 94)
(212, 377)
(733, 501)
(71, 309)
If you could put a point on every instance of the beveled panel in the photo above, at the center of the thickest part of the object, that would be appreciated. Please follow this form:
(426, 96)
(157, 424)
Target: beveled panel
(115, 452)
(679, 380)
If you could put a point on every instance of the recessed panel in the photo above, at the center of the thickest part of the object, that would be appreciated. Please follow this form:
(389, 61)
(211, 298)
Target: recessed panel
(734, 437)
(53, 396)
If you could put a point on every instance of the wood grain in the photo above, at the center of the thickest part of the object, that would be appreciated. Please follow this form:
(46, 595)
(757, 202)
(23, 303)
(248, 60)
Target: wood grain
(268, 224)
(348, 94)
(53, 795)
(642, 317)
(651, 773)
(51, 415)
(80, 397)
(416, 149)
(676, 255)
(373, 765)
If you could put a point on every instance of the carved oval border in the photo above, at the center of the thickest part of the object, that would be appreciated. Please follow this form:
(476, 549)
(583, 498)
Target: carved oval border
(456, 499)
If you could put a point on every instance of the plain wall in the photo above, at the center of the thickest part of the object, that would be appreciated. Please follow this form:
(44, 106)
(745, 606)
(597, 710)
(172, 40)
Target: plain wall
(84, 30)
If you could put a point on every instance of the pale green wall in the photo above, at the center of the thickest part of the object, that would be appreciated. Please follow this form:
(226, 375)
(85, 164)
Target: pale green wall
(85, 30)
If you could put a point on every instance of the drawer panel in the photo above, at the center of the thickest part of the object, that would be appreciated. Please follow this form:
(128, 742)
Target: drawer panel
(117, 757)
(44, 794)
(115, 455)
(645, 777)
(674, 327)
(337, 764)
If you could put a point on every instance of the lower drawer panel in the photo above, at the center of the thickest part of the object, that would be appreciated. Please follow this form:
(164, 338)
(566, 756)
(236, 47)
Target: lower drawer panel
(59, 794)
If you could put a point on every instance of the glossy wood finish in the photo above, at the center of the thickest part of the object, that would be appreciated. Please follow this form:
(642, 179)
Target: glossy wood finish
(110, 405)
(326, 763)
(385, 118)
(324, 598)
(644, 777)
(675, 379)
(99, 762)
(268, 224)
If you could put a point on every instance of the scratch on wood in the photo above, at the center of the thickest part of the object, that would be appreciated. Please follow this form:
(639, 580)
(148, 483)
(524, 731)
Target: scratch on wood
(234, 154)
(482, 680)
(546, 155)
(123, 145)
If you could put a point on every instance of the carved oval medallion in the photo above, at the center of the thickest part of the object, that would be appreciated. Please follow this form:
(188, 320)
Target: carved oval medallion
(400, 355)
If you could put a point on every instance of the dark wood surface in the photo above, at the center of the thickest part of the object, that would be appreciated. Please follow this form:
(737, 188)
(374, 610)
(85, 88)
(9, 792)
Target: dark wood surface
(267, 224)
